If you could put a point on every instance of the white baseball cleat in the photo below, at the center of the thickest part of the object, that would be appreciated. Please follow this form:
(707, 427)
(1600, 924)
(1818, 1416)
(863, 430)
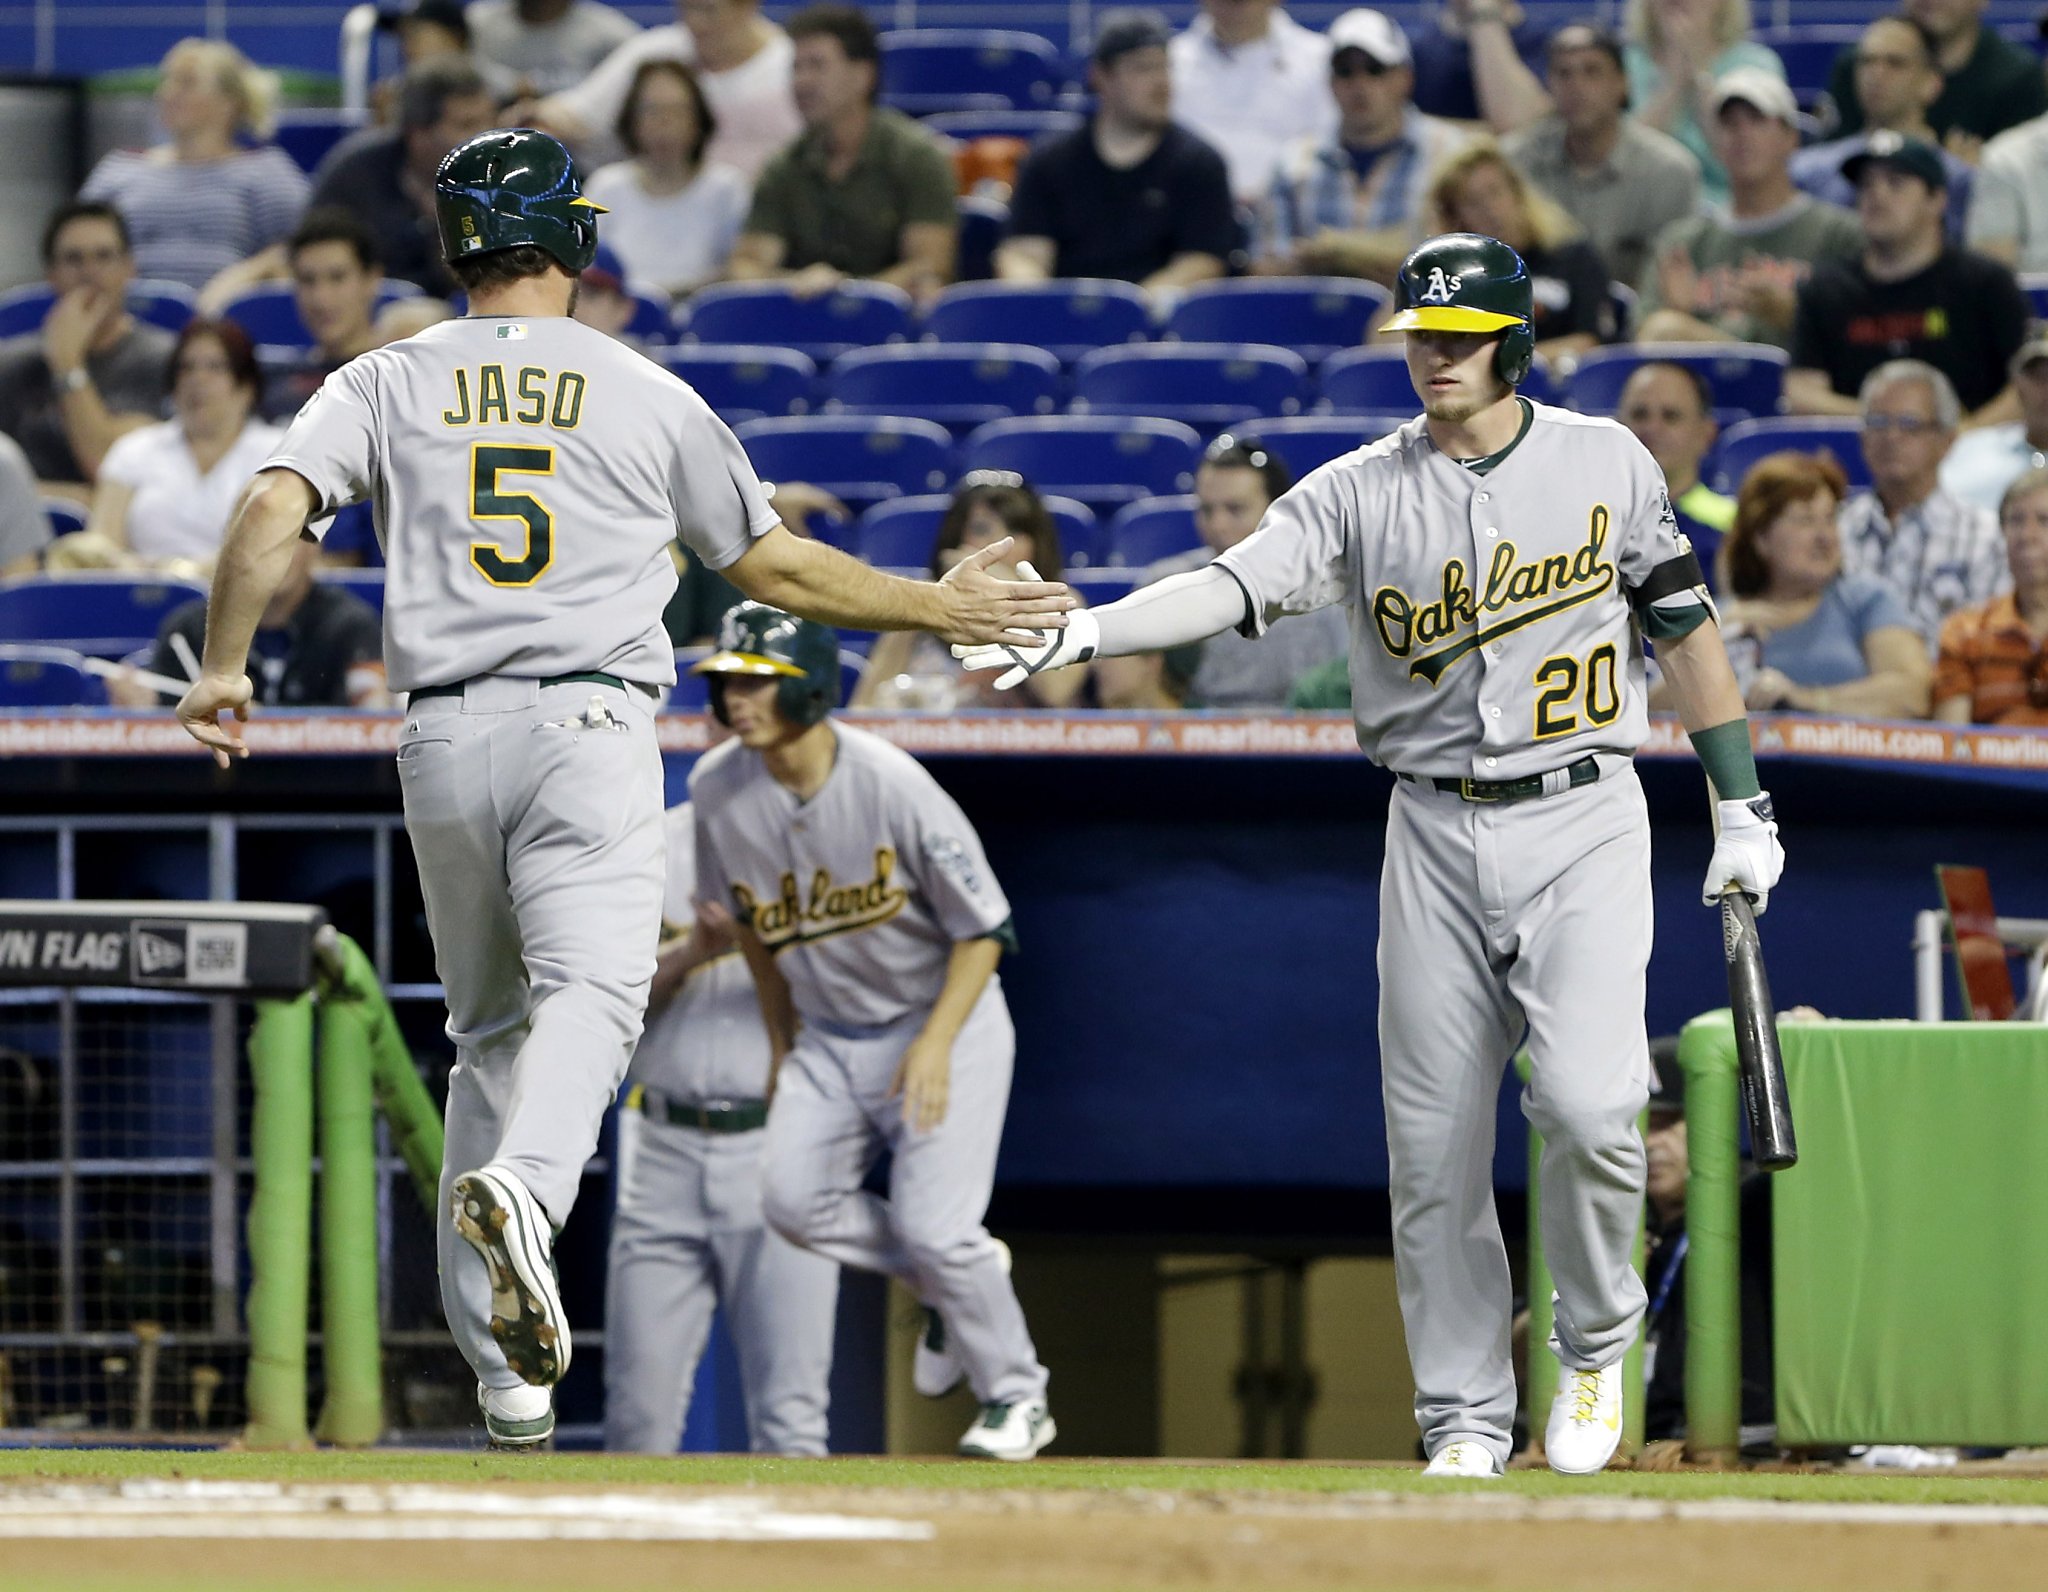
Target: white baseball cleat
(1462, 1459)
(1009, 1431)
(519, 1419)
(936, 1369)
(503, 1223)
(1585, 1420)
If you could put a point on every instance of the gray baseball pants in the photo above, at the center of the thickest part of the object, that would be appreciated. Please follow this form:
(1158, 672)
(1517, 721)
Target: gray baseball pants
(688, 1236)
(535, 816)
(832, 1117)
(1493, 917)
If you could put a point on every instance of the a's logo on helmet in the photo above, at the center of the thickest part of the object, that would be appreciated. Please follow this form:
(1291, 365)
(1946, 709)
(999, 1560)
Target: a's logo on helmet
(1440, 287)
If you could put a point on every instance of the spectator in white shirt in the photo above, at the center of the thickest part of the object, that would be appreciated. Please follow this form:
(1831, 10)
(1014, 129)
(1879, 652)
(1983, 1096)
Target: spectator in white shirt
(1987, 459)
(166, 491)
(1250, 80)
(1936, 552)
(743, 63)
(2009, 201)
(674, 215)
(200, 202)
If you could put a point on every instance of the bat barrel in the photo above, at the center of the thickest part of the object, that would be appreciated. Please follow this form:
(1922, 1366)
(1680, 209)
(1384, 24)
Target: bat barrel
(1766, 1102)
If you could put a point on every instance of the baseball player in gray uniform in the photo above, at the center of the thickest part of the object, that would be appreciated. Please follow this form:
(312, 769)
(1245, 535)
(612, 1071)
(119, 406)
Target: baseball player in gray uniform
(688, 1234)
(1502, 563)
(528, 476)
(872, 925)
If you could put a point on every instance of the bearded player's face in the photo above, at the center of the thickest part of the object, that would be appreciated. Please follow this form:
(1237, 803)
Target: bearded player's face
(1453, 373)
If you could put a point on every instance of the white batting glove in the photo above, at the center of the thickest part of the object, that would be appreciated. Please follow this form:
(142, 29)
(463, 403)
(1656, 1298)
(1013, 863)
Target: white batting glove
(1746, 851)
(1055, 649)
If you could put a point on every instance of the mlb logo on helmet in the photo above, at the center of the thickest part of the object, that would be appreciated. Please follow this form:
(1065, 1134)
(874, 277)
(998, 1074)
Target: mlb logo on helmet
(1440, 287)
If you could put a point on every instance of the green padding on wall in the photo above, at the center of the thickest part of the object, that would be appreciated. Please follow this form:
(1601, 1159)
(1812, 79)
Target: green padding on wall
(1911, 1241)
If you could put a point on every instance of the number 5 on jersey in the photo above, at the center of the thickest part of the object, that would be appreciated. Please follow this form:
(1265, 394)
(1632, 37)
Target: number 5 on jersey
(487, 462)
(1557, 679)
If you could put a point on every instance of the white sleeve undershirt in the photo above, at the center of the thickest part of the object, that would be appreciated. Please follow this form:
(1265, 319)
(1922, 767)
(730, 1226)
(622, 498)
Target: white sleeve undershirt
(1171, 613)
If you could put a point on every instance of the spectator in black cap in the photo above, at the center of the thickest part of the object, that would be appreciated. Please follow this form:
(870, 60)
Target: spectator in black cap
(1131, 195)
(1910, 294)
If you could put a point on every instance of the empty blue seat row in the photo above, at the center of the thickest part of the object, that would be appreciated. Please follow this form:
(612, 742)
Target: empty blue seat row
(959, 69)
(48, 677)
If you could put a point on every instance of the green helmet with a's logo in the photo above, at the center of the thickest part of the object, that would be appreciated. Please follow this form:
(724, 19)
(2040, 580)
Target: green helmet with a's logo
(766, 643)
(514, 186)
(1467, 282)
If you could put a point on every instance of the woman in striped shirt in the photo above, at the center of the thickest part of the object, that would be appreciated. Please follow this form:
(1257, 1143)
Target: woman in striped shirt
(202, 200)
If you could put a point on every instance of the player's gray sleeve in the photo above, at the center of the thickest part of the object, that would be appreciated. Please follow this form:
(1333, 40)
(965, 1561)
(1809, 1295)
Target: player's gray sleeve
(1299, 558)
(943, 854)
(333, 444)
(721, 506)
(1658, 567)
(1171, 613)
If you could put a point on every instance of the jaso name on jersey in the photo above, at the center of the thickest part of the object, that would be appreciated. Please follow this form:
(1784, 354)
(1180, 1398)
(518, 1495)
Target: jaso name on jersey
(535, 397)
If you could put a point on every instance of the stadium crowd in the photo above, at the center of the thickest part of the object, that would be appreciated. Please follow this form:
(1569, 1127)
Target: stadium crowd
(1117, 317)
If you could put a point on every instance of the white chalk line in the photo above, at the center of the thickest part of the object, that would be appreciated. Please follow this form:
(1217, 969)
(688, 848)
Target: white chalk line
(345, 1513)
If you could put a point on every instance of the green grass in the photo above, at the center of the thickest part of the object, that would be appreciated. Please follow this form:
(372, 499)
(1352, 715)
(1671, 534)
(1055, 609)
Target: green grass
(611, 1470)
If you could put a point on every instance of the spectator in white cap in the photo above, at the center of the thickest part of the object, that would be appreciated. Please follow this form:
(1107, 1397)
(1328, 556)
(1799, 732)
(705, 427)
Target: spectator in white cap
(1356, 203)
(1678, 53)
(1250, 80)
(1987, 460)
(1733, 273)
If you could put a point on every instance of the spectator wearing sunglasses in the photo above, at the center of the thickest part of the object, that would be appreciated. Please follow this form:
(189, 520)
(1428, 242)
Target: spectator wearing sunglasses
(1237, 480)
(1355, 204)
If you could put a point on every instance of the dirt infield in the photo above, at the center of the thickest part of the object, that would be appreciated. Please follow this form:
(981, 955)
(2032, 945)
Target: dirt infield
(1469, 1536)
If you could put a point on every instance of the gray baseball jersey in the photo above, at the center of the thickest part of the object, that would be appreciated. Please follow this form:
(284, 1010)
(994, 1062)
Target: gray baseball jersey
(862, 891)
(1495, 627)
(707, 1043)
(527, 478)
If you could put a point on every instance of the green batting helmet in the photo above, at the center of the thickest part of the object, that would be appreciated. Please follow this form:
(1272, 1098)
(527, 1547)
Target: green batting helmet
(803, 655)
(510, 187)
(1466, 282)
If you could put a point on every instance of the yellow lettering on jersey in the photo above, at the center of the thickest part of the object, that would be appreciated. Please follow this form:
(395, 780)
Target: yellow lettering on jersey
(568, 401)
(490, 396)
(1526, 591)
(533, 395)
(796, 917)
(458, 413)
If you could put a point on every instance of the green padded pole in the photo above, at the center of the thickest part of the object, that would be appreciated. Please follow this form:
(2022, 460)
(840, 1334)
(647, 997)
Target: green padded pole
(1543, 1366)
(410, 1111)
(1713, 1260)
(352, 1414)
(280, 1221)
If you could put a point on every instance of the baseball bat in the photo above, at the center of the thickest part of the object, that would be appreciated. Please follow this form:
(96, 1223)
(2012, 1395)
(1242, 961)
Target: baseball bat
(1759, 1065)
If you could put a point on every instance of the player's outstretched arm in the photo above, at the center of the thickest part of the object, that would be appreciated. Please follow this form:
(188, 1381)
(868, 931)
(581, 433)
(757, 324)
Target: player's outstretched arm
(969, 606)
(1709, 703)
(1170, 613)
(253, 560)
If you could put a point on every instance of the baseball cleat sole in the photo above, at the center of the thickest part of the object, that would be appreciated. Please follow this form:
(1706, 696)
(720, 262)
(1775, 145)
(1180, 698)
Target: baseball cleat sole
(503, 1223)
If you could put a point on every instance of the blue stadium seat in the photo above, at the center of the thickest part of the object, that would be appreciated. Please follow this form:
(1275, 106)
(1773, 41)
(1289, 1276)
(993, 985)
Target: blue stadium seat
(104, 615)
(946, 69)
(1314, 316)
(47, 677)
(751, 380)
(900, 533)
(861, 459)
(982, 224)
(166, 304)
(1743, 444)
(2035, 285)
(1205, 385)
(1150, 529)
(857, 315)
(1368, 381)
(651, 311)
(1305, 442)
(1749, 377)
(367, 584)
(1809, 51)
(1067, 318)
(308, 135)
(1030, 126)
(1104, 460)
(64, 515)
(959, 385)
